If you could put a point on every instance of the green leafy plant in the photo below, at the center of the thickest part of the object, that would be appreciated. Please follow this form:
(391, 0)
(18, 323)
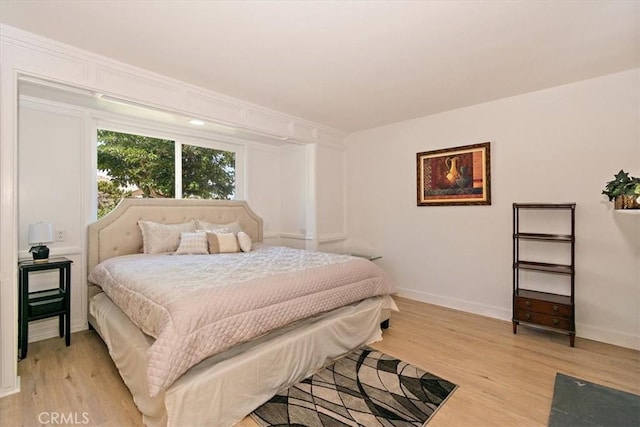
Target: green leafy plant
(622, 185)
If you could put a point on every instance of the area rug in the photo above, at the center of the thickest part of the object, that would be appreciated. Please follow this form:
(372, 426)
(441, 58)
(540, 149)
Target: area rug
(580, 403)
(364, 388)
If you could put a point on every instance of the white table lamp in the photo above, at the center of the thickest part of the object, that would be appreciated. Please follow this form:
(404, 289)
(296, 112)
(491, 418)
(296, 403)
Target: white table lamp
(40, 233)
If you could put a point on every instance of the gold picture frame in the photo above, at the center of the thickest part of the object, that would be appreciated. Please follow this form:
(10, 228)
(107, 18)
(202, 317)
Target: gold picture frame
(455, 176)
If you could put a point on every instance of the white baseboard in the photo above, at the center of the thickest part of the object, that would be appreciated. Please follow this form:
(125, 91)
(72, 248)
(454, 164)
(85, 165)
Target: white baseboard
(457, 304)
(608, 336)
(48, 328)
(9, 391)
(590, 332)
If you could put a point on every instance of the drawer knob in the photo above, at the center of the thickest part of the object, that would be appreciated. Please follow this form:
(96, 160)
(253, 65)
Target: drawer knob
(556, 322)
(527, 303)
(528, 316)
(555, 308)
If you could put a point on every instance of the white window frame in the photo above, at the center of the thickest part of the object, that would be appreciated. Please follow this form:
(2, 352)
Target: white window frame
(178, 135)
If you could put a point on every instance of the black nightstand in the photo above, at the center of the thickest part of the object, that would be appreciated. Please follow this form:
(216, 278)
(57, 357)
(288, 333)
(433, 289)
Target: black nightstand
(43, 304)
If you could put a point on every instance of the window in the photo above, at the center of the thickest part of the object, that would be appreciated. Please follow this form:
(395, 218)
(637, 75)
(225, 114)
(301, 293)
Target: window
(208, 173)
(132, 165)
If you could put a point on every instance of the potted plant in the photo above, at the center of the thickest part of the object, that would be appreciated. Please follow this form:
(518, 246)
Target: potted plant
(623, 191)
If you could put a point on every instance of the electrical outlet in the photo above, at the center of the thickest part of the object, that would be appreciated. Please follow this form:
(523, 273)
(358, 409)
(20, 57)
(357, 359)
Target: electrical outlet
(61, 235)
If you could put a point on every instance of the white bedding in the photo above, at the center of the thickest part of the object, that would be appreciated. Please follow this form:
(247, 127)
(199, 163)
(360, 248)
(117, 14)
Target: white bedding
(223, 389)
(199, 305)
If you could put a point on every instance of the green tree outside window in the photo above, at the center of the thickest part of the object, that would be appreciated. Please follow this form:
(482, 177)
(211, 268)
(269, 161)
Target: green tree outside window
(141, 166)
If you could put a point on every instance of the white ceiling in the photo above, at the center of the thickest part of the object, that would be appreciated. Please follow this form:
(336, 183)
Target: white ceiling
(351, 64)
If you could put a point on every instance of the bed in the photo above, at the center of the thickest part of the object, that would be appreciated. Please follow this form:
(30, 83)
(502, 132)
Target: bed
(225, 386)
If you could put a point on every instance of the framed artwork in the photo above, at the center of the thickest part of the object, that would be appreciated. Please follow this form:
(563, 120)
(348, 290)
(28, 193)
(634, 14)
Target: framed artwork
(454, 176)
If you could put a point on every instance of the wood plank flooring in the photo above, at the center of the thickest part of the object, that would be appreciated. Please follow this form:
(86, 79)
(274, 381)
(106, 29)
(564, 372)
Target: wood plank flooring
(504, 379)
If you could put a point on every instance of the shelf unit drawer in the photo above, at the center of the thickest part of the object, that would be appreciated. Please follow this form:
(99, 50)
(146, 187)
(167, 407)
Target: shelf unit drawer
(544, 320)
(544, 307)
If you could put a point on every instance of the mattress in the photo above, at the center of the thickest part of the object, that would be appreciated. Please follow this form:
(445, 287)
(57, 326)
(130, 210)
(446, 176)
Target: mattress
(223, 389)
(196, 306)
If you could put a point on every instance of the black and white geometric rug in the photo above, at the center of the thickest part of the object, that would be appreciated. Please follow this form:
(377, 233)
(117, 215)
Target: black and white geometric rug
(364, 388)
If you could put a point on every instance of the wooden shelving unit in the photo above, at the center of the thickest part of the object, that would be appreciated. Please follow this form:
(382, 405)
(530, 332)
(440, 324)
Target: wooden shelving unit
(533, 307)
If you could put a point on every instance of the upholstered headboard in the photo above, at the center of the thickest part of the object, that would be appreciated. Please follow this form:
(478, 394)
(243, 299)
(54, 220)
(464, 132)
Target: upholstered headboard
(118, 232)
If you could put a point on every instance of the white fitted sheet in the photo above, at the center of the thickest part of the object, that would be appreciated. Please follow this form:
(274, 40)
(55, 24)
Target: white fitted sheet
(224, 388)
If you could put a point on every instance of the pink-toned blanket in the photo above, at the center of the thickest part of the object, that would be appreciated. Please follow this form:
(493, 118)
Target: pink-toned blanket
(199, 305)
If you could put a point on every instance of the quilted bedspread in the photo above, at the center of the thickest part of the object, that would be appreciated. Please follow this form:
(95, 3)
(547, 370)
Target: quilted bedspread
(199, 305)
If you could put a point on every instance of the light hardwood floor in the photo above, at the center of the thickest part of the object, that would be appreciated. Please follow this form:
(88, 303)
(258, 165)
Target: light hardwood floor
(504, 379)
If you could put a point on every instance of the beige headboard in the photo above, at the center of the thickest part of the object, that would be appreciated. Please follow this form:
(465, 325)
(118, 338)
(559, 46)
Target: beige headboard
(118, 232)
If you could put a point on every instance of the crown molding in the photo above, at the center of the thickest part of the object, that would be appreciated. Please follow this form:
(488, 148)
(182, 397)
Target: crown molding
(90, 71)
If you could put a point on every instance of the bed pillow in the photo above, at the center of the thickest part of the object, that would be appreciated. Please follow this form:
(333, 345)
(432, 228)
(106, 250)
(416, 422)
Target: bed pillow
(222, 243)
(193, 243)
(244, 241)
(160, 238)
(232, 227)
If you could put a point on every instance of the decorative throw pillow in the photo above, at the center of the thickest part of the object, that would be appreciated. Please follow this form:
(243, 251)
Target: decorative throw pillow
(222, 243)
(244, 241)
(232, 227)
(159, 238)
(193, 243)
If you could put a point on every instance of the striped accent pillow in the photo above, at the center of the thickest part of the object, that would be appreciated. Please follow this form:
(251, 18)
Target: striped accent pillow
(193, 243)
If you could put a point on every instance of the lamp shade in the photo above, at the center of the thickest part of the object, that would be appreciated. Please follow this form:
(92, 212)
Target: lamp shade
(40, 232)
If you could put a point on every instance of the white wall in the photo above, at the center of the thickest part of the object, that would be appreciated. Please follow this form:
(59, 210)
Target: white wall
(51, 168)
(314, 196)
(331, 204)
(296, 187)
(263, 187)
(555, 145)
